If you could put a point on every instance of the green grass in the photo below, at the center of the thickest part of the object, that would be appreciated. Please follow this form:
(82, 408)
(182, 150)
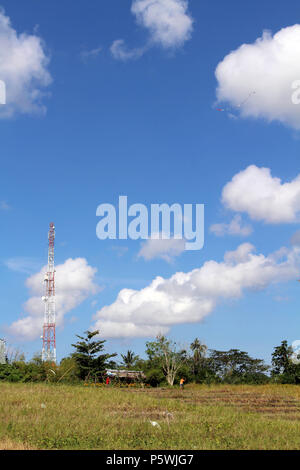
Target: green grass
(200, 417)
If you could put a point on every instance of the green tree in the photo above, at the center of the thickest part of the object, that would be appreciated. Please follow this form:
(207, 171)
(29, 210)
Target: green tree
(281, 358)
(235, 366)
(155, 377)
(284, 370)
(89, 356)
(166, 355)
(36, 370)
(129, 359)
(68, 371)
(199, 352)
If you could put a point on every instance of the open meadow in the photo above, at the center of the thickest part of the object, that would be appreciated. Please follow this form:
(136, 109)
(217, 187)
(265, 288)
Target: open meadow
(38, 416)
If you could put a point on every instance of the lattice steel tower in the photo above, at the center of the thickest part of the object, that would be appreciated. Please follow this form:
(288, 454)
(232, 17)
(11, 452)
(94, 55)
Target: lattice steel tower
(49, 343)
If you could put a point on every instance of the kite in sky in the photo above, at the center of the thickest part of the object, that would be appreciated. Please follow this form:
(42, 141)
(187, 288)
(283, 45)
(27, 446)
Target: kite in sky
(229, 110)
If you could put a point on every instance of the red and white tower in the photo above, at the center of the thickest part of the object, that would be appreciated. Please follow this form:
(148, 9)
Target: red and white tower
(49, 344)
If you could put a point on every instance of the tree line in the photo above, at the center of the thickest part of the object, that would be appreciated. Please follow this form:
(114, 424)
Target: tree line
(165, 364)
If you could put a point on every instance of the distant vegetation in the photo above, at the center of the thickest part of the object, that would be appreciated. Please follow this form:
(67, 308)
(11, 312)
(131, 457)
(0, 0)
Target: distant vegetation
(165, 364)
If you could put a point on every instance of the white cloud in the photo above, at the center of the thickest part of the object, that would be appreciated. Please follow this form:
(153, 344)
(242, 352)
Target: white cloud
(85, 55)
(157, 247)
(262, 196)
(189, 297)
(240, 255)
(269, 67)
(280, 298)
(4, 206)
(74, 283)
(121, 52)
(120, 250)
(23, 69)
(22, 264)
(167, 21)
(235, 227)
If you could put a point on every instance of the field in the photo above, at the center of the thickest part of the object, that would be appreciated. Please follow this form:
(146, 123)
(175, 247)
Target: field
(37, 416)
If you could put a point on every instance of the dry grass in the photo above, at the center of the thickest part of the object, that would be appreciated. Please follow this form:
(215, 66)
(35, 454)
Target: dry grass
(8, 444)
(274, 401)
(199, 417)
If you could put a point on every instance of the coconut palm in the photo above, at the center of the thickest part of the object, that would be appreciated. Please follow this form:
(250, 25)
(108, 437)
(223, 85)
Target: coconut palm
(129, 359)
(199, 352)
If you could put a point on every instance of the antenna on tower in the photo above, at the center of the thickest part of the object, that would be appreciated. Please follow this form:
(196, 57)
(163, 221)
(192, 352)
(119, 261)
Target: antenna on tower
(49, 343)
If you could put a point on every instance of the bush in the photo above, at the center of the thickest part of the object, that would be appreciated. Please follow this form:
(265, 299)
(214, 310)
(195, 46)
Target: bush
(155, 377)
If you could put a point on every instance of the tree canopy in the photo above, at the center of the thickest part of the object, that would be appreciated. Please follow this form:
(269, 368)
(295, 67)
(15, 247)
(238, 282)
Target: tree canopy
(89, 355)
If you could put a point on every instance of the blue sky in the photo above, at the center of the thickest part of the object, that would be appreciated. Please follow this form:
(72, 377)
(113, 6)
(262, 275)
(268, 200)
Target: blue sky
(146, 127)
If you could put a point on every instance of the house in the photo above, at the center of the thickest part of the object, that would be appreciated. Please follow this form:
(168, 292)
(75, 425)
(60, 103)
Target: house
(132, 375)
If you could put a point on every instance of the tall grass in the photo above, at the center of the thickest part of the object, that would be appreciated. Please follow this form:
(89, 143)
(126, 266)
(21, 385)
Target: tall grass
(202, 417)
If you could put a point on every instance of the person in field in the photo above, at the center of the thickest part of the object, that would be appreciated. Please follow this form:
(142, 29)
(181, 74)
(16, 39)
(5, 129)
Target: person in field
(181, 383)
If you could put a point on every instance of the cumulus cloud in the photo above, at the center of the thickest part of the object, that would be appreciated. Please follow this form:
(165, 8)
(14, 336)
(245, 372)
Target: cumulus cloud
(23, 69)
(190, 297)
(74, 283)
(158, 247)
(167, 21)
(235, 227)
(262, 196)
(269, 66)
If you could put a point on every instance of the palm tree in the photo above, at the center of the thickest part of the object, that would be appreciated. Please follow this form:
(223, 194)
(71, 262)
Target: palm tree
(199, 349)
(129, 359)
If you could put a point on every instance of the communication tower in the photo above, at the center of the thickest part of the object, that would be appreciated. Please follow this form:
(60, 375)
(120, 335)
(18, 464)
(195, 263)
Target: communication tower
(49, 343)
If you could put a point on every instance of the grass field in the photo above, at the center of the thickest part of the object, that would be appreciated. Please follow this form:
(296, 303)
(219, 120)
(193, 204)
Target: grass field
(36, 416)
